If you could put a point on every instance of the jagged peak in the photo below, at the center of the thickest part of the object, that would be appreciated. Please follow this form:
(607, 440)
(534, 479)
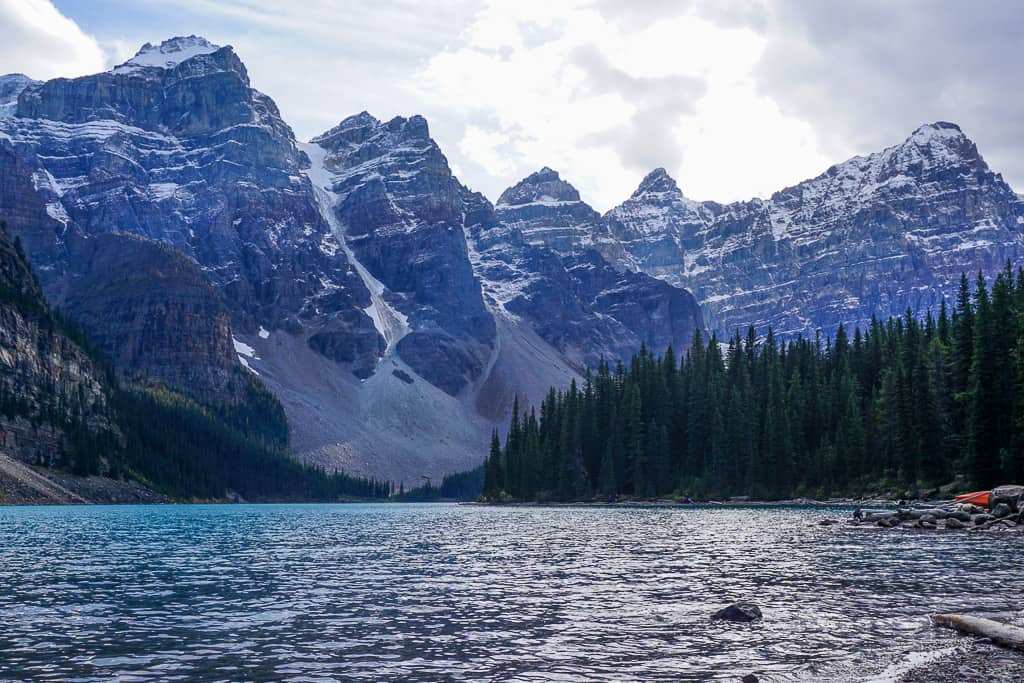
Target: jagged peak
(657, 181)
(171, 52)
(359, 127)
(938, 129)
(545, 173)
(543, 186)
(414, 126)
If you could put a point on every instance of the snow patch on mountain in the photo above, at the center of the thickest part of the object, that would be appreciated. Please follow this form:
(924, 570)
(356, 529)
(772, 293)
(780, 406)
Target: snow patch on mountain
(245, 354)
(169, 53)
(871, 235)
(390, 323)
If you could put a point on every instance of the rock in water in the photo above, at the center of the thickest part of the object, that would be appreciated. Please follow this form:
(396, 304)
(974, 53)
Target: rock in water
(954, 523)
(739, 612)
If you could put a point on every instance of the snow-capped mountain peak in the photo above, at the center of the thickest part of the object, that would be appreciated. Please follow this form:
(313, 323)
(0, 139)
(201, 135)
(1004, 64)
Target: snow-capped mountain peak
(171, 52)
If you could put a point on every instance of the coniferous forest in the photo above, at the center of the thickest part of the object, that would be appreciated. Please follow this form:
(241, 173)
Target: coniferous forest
(907, 404)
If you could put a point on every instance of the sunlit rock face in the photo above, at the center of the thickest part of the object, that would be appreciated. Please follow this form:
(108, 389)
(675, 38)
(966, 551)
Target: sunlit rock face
(872, 235)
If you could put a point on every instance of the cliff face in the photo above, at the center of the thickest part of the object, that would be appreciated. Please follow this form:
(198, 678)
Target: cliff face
(872, 235)
(48, 385)
(151, 312)
(401, 213)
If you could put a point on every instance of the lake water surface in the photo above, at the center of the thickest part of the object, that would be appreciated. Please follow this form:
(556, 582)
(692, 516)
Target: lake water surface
(446, 592)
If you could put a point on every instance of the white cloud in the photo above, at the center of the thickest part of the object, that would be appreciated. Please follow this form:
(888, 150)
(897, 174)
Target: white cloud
(489, 150)
(42, 43)
(736, 98)
(606, 101)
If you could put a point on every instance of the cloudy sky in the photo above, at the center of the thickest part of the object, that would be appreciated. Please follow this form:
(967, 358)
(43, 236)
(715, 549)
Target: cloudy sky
(736, 98)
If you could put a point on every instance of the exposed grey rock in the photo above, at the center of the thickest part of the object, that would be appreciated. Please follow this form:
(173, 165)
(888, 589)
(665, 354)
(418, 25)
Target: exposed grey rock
(11, 86)
(536, 265)
(150, 311)
(188, 154)
(981, 519)
(1010, 495)
(955, 523)
(739, 612)
(548, 211)
(402, 214)
(1001, 510)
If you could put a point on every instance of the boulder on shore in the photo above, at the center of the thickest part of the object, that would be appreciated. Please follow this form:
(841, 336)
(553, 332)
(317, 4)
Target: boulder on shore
(1010, 495)
(1001, 510)
(739, 612)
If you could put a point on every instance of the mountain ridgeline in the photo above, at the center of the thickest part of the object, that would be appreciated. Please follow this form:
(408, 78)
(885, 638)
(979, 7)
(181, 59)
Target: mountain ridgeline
(901, 406)
(395, 315)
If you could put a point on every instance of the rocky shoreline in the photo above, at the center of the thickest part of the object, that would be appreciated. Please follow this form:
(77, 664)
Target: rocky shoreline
(1004, 512)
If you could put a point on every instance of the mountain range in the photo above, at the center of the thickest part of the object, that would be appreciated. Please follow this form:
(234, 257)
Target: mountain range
(167, 208)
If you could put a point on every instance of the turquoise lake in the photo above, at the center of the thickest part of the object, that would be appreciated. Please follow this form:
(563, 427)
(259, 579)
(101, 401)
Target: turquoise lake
(447, 592)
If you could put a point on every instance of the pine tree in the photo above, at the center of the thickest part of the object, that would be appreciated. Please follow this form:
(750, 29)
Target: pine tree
(494, 476)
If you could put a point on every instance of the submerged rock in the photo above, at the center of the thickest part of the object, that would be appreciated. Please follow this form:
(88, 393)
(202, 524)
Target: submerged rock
(739, 612)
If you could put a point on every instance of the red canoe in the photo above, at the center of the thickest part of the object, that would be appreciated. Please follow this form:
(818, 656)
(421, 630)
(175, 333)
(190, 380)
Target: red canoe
(977, 498)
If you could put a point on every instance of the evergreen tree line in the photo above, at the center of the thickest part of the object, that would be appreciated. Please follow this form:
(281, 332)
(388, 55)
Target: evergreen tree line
(911, 403)
(459, 486)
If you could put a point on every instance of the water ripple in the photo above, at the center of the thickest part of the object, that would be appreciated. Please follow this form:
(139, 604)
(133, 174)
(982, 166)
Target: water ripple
(442, 592)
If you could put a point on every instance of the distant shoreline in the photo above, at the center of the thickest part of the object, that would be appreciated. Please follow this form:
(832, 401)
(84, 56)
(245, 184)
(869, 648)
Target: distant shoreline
(797, 502)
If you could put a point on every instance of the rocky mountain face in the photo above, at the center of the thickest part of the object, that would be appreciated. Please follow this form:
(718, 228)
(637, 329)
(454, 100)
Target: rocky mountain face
(400, 209)
(49, 387)
(872, 235)
(548, 211)
(175, 146)
(11, 86)
(534, 254)
(166, 206)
